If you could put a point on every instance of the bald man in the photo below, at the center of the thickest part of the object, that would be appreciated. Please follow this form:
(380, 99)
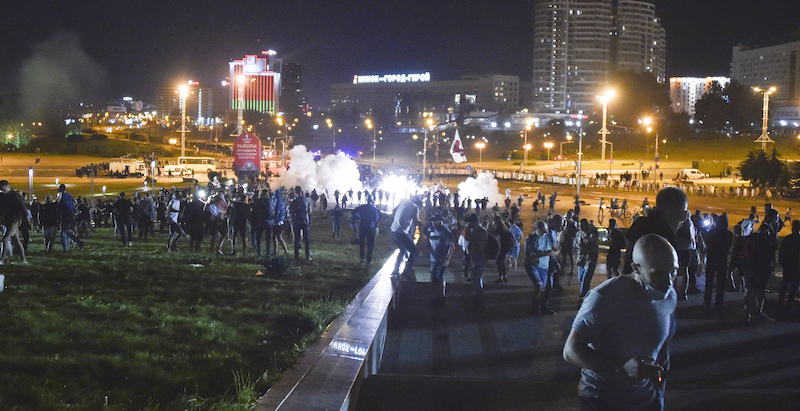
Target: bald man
(620, 337)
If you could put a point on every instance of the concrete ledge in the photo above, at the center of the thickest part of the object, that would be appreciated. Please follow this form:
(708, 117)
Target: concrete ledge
(329, 374)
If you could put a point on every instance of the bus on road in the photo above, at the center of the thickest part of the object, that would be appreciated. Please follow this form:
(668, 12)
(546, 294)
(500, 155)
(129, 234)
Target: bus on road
(192, 165)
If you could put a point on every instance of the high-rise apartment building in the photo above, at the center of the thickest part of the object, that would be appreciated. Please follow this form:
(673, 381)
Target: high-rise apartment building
(685, 91)
(198, 103)
(292, 99)
(765, 67)
(579, 43)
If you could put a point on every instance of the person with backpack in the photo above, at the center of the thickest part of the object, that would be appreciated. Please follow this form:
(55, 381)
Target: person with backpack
(300, 209)
(440, 239)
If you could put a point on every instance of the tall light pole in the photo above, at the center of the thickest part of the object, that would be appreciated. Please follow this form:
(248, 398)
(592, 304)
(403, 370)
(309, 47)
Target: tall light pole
(330, 125)
(374, 137)
(428, 123)
(548, 145)
(561, 150)
(30, 184)
(480, 145)
(184, 92)
(604, 131)
(528, 126)
(526, 147)
(580, 150)
(764, 137)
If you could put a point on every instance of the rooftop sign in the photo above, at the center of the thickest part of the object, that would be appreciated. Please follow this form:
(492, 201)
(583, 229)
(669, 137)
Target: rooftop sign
(392, 78)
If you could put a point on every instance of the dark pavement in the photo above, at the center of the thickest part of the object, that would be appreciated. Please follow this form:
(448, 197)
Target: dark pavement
(504, 358)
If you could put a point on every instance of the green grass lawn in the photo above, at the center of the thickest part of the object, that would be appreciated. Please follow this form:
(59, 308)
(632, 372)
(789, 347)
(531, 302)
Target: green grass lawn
(134, 328)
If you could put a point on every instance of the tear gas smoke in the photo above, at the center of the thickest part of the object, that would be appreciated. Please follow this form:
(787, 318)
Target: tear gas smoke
(57, 74)
(334, 172)
(484, 185)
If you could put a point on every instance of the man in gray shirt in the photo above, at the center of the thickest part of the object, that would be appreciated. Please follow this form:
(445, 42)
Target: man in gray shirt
(620, 337)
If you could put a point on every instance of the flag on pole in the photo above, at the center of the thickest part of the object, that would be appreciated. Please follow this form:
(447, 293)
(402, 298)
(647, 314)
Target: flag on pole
(457, 149)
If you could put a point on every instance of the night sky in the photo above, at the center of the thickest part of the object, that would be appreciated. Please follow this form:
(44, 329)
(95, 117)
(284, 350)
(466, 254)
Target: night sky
(140, 45)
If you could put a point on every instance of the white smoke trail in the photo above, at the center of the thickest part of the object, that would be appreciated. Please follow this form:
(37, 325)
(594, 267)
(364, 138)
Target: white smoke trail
(334, 172)
(484, 185)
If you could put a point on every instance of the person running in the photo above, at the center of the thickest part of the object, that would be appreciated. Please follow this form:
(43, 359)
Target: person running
(539, 248)
(440, 239)
(620, 337)
(14, 214)
(586, 245)
(49, 219)
(367, 217)
(477, 238)
(500, 230)
(404, 224)
(616, 242)
(66, 204)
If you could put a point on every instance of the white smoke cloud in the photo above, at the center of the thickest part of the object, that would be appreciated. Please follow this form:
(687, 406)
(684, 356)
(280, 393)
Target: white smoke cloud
(334, 172)
(58, 73)
(484, 185)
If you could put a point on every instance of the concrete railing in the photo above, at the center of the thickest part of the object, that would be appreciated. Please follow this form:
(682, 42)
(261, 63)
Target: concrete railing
(329, 374)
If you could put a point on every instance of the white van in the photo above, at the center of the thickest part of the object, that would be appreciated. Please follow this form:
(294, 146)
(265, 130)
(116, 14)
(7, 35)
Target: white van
(692, 174)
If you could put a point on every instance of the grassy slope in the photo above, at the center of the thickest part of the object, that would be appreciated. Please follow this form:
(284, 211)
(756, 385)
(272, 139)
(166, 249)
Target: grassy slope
(138, 328)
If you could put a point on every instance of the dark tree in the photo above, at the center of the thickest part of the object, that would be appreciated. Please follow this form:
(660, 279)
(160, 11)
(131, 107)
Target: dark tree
(711, 110)
(638, 95)
(744, 107)
(764, 170)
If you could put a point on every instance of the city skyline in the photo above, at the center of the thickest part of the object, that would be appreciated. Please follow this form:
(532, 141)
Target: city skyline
(134, 48)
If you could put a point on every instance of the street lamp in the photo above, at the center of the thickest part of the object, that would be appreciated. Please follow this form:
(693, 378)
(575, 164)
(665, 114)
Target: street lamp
(561, 150)
(764, 138)
(604, 131)
(30, 184)
(184, 92)
(374, 137)
(480, 145)
(330, 125)
(548, 145)
(428, 123)
(647, 121)
(528, 125)
(526, 147)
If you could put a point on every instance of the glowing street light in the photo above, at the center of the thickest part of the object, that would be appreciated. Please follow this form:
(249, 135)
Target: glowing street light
(374, 137)
(428, 123)
(528, 126)
(764, 138)
(330, 125)
(184, 92)
(605, 98)
(548, 145)
(480, 146)
(561, 150)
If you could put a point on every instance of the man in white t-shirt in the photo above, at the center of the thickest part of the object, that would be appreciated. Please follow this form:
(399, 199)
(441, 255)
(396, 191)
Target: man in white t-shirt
(175, 230)
(620, 337)
(404, 224)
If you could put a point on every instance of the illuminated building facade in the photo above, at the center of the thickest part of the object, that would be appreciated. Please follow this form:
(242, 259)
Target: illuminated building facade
(411, 94)
(578, 44)
(685, 91)
(261, 82)
(765, 67)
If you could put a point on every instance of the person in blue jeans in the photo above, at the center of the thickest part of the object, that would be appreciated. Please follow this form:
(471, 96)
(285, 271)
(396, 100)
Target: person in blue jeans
(539, 247)
(66, 205)
(404, 224)
(586, 244)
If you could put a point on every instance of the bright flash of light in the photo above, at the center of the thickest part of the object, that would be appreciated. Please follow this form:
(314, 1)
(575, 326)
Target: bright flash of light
(201, 194)
(400, 186)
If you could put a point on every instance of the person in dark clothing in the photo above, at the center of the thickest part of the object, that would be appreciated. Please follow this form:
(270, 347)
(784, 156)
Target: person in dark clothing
(193, 221)
(66, 205)
(758, 260)
(789, 257)
(300, 209)
(260, 212)
(718, 247)
(238, 217)
(336, 217)
(616, 242)
(664, 219)
(507, 241)
(49, 218)
(367, 217)
(123, 210)
(14, 214)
